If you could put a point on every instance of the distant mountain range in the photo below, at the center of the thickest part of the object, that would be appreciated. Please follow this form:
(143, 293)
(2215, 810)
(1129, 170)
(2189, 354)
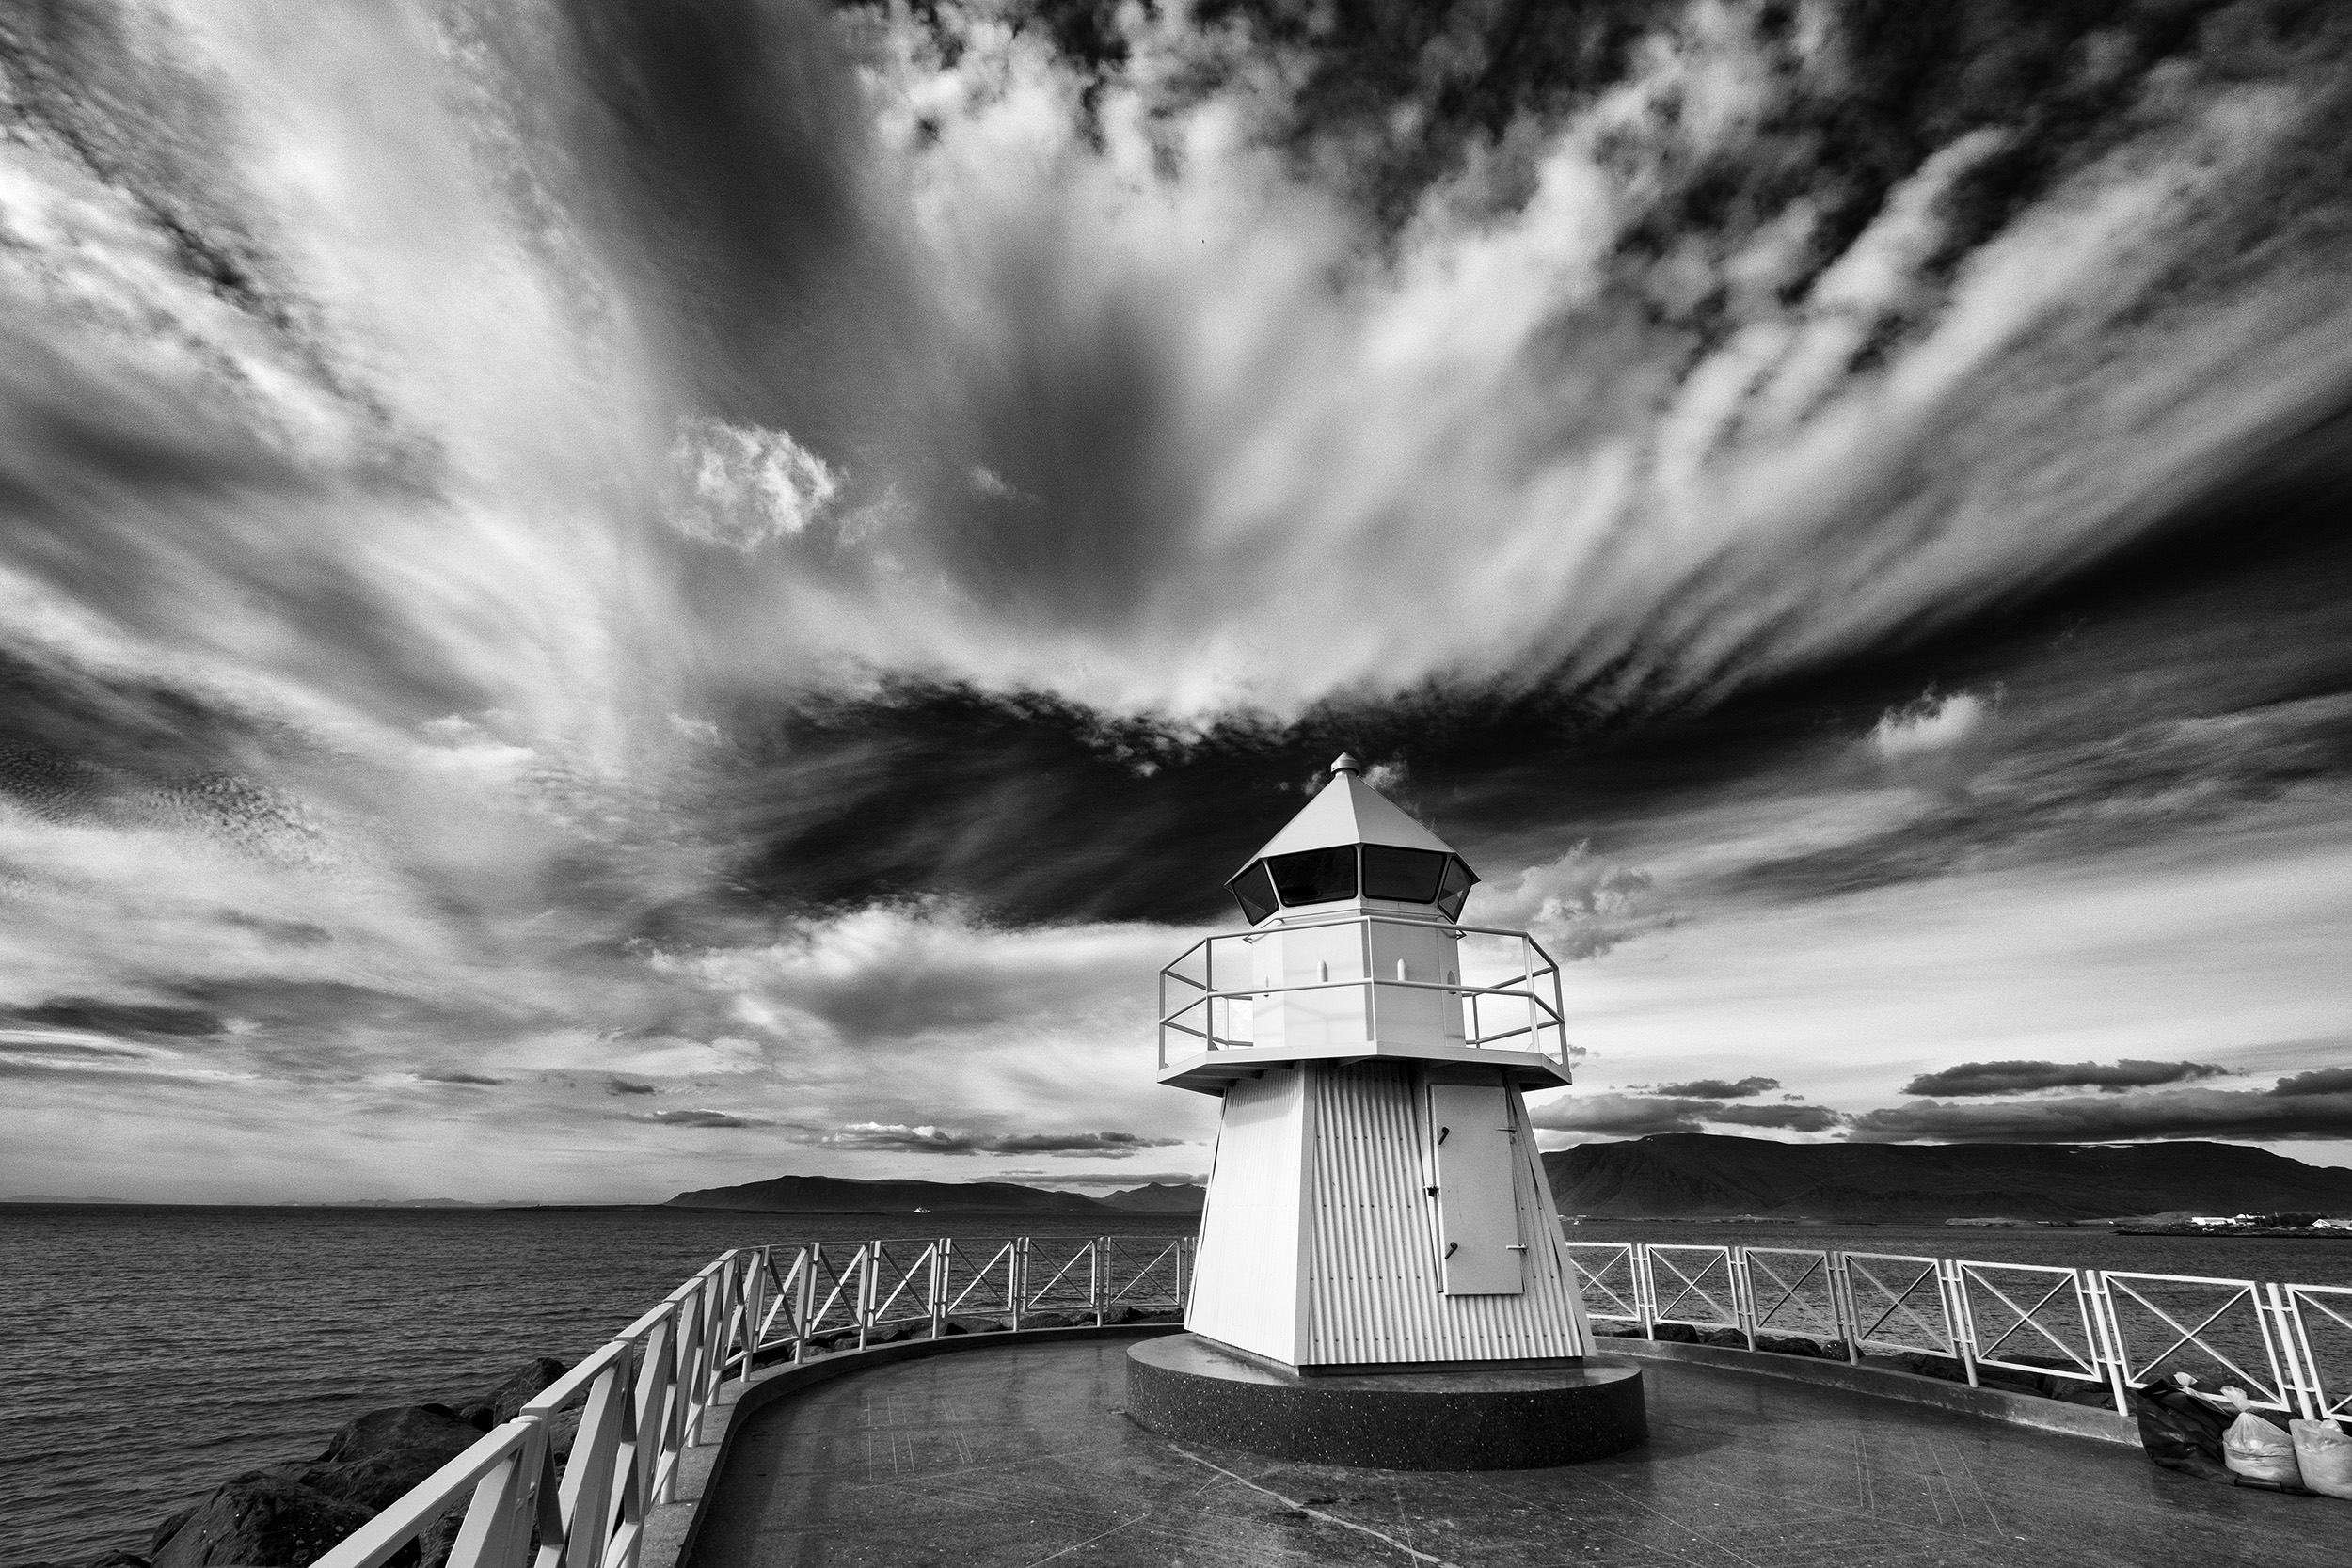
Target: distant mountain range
(53, 1198)
(834, 1194)
(1700, 1175)
(1161, 1197)
(1705, 1176)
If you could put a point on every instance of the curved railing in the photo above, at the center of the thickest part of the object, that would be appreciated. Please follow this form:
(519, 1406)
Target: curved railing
(641, 1395)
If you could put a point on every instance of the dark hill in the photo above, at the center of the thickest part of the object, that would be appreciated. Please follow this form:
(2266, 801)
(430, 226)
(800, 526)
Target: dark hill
(1697, 1174)
(833, 1195)
(1161, 1197)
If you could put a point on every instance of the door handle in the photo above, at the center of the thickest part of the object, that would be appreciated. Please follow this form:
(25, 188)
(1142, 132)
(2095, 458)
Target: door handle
(1443, 1132)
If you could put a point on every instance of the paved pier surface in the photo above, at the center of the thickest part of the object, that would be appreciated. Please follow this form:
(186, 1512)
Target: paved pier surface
(1023, 1457)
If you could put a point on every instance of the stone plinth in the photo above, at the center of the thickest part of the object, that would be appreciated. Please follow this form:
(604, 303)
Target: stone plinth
(1193, 1391)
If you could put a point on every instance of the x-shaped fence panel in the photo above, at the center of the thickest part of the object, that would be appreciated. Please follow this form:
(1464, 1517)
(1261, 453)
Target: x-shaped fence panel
(1607, 1275)
(1790, 1291)
(1146, 1272)
(2222, 1330)
(983, 1278)
(1694, 1284)
(1064, 1273)
(2030, 1318)
(2320, 1319)
(1894, 1302)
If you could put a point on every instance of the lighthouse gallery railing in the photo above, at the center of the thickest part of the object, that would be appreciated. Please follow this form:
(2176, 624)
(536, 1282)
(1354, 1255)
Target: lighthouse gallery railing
(1518, 1010)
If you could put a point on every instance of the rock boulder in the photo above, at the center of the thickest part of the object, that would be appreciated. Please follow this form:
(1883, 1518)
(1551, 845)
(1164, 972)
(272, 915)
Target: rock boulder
(260, 1519)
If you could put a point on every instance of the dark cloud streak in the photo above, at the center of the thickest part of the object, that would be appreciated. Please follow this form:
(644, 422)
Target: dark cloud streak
(1976, 1078)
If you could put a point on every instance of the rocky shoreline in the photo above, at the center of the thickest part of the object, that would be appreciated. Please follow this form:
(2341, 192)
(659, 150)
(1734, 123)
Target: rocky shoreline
(287, 1514)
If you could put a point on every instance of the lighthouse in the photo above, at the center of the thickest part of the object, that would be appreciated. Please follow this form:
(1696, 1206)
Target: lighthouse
(1380, 1279)
(1377, 1200)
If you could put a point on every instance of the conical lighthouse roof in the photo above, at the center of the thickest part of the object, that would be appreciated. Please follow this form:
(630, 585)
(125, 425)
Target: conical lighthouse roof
(1349, 811)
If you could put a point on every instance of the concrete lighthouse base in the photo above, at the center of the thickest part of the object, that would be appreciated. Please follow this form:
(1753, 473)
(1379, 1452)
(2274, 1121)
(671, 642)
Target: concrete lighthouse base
(1194, 1390)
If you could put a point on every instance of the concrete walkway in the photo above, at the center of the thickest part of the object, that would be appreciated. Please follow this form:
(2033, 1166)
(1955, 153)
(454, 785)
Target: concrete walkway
(1022, 1456)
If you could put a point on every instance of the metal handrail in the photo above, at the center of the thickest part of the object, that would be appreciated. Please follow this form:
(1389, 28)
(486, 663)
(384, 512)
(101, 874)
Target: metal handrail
(2272, 1345)
(1536, 964)
(643, 1394)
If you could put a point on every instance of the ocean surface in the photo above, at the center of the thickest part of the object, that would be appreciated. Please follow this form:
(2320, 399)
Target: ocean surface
(149, 1353)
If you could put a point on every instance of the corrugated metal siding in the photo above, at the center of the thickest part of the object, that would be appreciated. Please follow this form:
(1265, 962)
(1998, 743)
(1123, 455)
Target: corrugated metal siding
(1245, 1279)
(1372, 1254)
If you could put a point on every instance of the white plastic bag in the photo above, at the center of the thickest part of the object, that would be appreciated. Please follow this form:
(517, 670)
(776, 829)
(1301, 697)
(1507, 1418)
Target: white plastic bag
(2260, 1451)
(2323, 1450)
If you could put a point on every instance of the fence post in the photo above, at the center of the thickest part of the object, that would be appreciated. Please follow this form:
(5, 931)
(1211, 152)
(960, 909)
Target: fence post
(654, 1418)
(496, 1531)
(730, 1307)
(1644, 1288)
(1842, 1311)
(1183, 1275)
(861, 1303)
(687, 1377)
(1016, 1277)
(755, 1297)
(804, 1301)
(943, 1272)
(2311, 1391)
(2090, 1288)
(1960, 1322)
(1098, 1273)
(1743, 1291)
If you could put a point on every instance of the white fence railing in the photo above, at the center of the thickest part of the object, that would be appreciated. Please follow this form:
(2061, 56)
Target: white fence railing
(641, 1395)
(521, 1500)
(2288, 1346)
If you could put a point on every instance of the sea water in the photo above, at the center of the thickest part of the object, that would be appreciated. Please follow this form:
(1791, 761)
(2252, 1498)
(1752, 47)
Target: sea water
(149, 1353)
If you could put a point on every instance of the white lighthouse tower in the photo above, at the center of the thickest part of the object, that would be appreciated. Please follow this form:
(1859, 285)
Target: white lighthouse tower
(1377, 1204)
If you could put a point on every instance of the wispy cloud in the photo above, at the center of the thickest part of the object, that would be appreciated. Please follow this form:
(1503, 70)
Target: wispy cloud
(699, 1119)
(1633, 1116)
(2314, 1113)
(2012, 1077)
(1717, 1089)
(927, 1139)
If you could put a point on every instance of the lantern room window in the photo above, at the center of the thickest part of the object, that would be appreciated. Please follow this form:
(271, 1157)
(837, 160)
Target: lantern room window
(1453, 887)
(1409, 876)
(1253, 890)
(1316, 876)
(1334, 876)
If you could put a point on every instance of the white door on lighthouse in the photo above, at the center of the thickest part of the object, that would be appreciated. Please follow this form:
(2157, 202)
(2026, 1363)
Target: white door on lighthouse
(1478, 1208)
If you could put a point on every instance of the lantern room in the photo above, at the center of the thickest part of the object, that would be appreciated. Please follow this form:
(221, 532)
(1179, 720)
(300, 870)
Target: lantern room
(1357, 950)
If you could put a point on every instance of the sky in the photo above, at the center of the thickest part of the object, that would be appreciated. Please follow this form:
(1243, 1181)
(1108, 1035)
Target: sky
(598, 598)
